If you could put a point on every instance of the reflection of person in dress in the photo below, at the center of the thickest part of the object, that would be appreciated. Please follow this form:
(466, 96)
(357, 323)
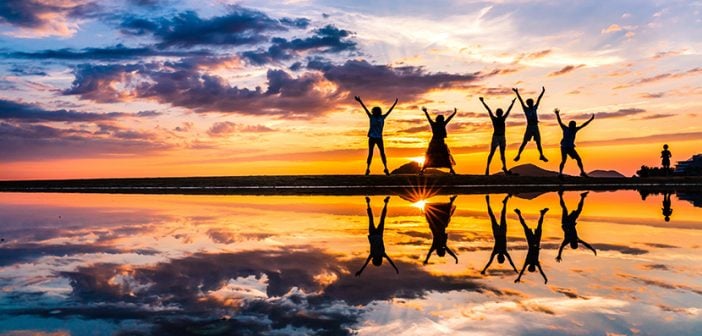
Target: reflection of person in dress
(375, 238)
(667, 210)
(438, 154)
(499, 232)
(438, 216)
(534, 241)
(568, 221)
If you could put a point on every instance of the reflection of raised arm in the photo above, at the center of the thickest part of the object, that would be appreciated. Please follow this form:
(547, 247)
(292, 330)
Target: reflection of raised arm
(558, 116)
(364, 266)
(358, 99)
(426, 113)
(588, 246)
(492, 215)
(581, 203)
(509, 109)
(510, 262)
(538, 100)
(392, 263)
(542, 273)
(452, 254)
(452, 114)
(486, 107)
(521, 273)
(426, 260)
(587, 122)
(391, 108)
(560, 250)
(521, 101)
(492, 256)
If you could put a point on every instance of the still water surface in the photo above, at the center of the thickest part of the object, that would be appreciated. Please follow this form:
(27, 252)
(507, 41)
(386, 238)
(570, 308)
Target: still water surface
(81, 264)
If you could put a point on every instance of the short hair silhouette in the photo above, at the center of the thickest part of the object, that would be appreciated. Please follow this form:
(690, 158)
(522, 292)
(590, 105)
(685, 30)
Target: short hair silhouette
(530, 102)
(376, 110)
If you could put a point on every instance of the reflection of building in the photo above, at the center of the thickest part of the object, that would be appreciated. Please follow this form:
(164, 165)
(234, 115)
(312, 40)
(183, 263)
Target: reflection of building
(694, 164)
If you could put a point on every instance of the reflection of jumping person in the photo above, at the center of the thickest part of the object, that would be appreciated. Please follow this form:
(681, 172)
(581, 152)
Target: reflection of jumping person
(667, 210)
(534, 240)
(499, 232)
(665, 159)
(568, 143)
(498, 134)
(375, 133)
(532, 128)
(438, 154)
(375, 238)
(568, 222)
(438, 216)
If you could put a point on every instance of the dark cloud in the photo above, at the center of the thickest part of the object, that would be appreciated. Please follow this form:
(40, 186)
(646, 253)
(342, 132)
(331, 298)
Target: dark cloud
(648, 95)
(27, 252)
(328, 39)
(240, 26)
(620, 248)
(566, 69)
(31, 13)
(28, 113)
(225, 128)
(658, 116)
(117, 52)
(27, 70)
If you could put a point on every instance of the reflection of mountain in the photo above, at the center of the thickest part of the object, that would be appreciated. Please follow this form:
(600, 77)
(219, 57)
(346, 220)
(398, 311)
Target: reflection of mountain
(606, 174)
(413, 168)
(695, 199)
(530, 170)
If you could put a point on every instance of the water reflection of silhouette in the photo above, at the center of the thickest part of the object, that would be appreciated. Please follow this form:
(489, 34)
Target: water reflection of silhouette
(438, 216)
(534, 241)
(375, 238)
(499, 232)
(667, 210)
(568, 221)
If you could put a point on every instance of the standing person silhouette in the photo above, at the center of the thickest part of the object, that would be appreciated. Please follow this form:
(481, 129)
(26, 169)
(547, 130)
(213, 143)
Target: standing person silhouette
(438, 154)
(665, 159)
(568, 222)
(375, 133)
(375, 238)
(438, 215)
(534, 241)
(532, 128)
(498, 134)
(568, 143)
(499, 232)
(667, 210)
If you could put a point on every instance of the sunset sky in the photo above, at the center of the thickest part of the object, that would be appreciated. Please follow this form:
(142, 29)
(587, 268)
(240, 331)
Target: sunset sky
(183, 88)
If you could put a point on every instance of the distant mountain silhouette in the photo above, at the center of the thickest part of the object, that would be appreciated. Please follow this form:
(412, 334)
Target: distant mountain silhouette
(606, 173)
(413, 167)
(530, 170)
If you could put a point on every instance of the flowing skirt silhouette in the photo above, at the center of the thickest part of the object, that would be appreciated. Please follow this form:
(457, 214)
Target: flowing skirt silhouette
(438, 155)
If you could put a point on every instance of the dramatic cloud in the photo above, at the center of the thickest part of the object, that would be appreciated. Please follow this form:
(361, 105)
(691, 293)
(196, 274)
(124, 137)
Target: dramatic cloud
(225, 128)
(28, 113)
(40, 18)
(117, 52)
(566, 69)
(241, 26)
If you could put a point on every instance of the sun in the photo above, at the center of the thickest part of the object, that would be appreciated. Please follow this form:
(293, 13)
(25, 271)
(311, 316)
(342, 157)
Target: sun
(419, 160)
(420, 204)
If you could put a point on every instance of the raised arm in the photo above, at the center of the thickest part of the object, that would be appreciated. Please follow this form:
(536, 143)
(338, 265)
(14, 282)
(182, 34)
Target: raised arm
(455, 110)
(492, 215)
(521, 101)
(364, 266)
(426, 113)
(538, 100)
(486, 107)
(558, 116)
(587, 122)
(391, 108)
(392, 263)
(509, 108)
(358, 99)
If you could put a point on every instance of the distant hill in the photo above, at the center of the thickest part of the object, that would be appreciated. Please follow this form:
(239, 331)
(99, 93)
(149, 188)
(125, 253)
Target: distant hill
(606, 173)
(412, 167)
(530, 170)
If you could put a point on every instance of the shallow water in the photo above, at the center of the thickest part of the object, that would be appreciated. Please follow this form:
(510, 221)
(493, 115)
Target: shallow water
(85, 264)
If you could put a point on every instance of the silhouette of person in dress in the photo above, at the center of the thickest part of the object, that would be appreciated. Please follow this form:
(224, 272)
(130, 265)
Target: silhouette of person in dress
(438, 215)
(438, 154)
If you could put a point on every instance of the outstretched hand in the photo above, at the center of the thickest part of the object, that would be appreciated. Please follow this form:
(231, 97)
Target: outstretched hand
(387, 199)
(515, 90)
(424, 109)
(455, 110)
(367, 199)
(516, 280)
(481, 99)
(558, 259)
(519, 212)
(556, 111)
(358, 274)
(543, 89)
(560, 192)
(357, 98)
(513, 99)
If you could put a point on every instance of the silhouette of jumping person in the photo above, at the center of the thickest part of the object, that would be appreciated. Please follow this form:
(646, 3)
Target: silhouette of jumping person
(665, 159)
(438, 154)
(568, 143)
(498, 134)
(438, 216)
(532, 128)
(568, 222)
(667, 210)
(375, 238)
(499, 232)
(375, 133)
(534, 240)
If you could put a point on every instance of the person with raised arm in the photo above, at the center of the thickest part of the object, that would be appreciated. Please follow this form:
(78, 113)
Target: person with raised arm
(568, 222)
(534, 241)
(375, 133)
(438, 154)
(498, 134)
(568, 142)
(438, 215)
(375, 238)
(499, 233)
(532, 128)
